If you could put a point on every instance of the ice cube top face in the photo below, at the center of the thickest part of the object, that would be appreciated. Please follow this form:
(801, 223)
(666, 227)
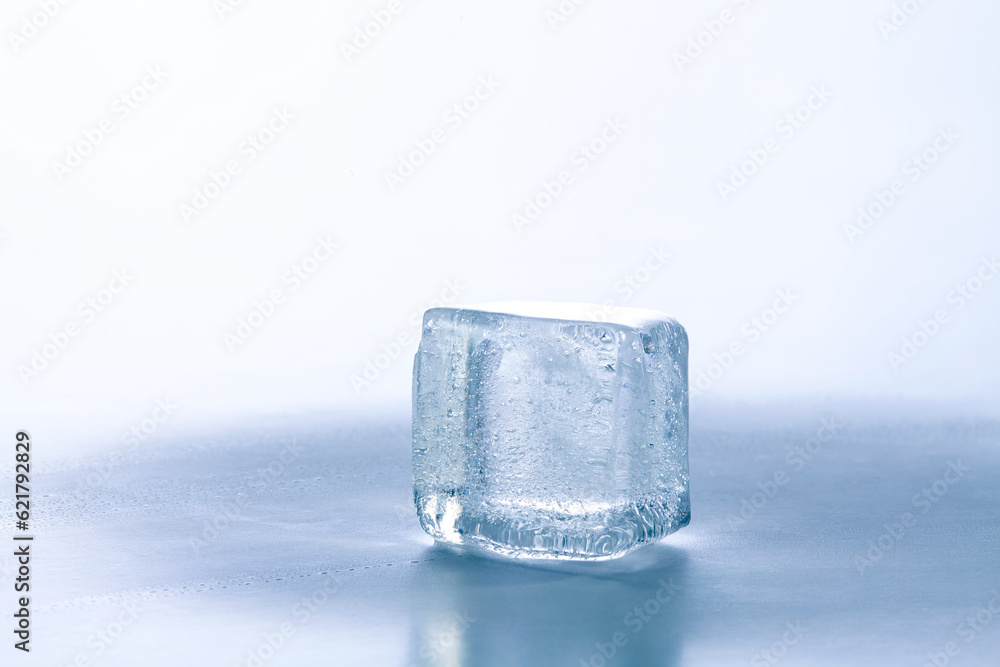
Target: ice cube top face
(550, 430)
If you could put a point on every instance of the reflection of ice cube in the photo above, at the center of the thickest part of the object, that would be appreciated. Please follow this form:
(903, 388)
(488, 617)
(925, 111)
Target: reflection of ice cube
(540, 432)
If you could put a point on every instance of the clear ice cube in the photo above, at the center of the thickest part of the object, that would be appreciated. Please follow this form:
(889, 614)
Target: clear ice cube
(541, 431)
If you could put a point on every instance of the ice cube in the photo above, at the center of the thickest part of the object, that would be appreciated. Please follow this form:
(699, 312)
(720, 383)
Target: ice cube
(550, 430)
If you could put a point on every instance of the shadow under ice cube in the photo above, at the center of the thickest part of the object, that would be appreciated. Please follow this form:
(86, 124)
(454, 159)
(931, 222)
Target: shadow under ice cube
(540, 432)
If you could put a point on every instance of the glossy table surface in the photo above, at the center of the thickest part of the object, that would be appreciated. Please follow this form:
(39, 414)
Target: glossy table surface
(293, 541)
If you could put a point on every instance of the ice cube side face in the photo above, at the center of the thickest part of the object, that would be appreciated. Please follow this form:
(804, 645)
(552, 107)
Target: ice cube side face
(550, 438)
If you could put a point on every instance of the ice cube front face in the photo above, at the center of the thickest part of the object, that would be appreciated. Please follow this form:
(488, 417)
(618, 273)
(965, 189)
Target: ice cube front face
(547, 430)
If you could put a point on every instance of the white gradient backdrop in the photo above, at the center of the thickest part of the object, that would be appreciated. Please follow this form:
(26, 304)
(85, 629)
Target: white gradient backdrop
(655, 186)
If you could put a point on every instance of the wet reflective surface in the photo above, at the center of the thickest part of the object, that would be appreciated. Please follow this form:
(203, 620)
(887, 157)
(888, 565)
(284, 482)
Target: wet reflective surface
(294, 542)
